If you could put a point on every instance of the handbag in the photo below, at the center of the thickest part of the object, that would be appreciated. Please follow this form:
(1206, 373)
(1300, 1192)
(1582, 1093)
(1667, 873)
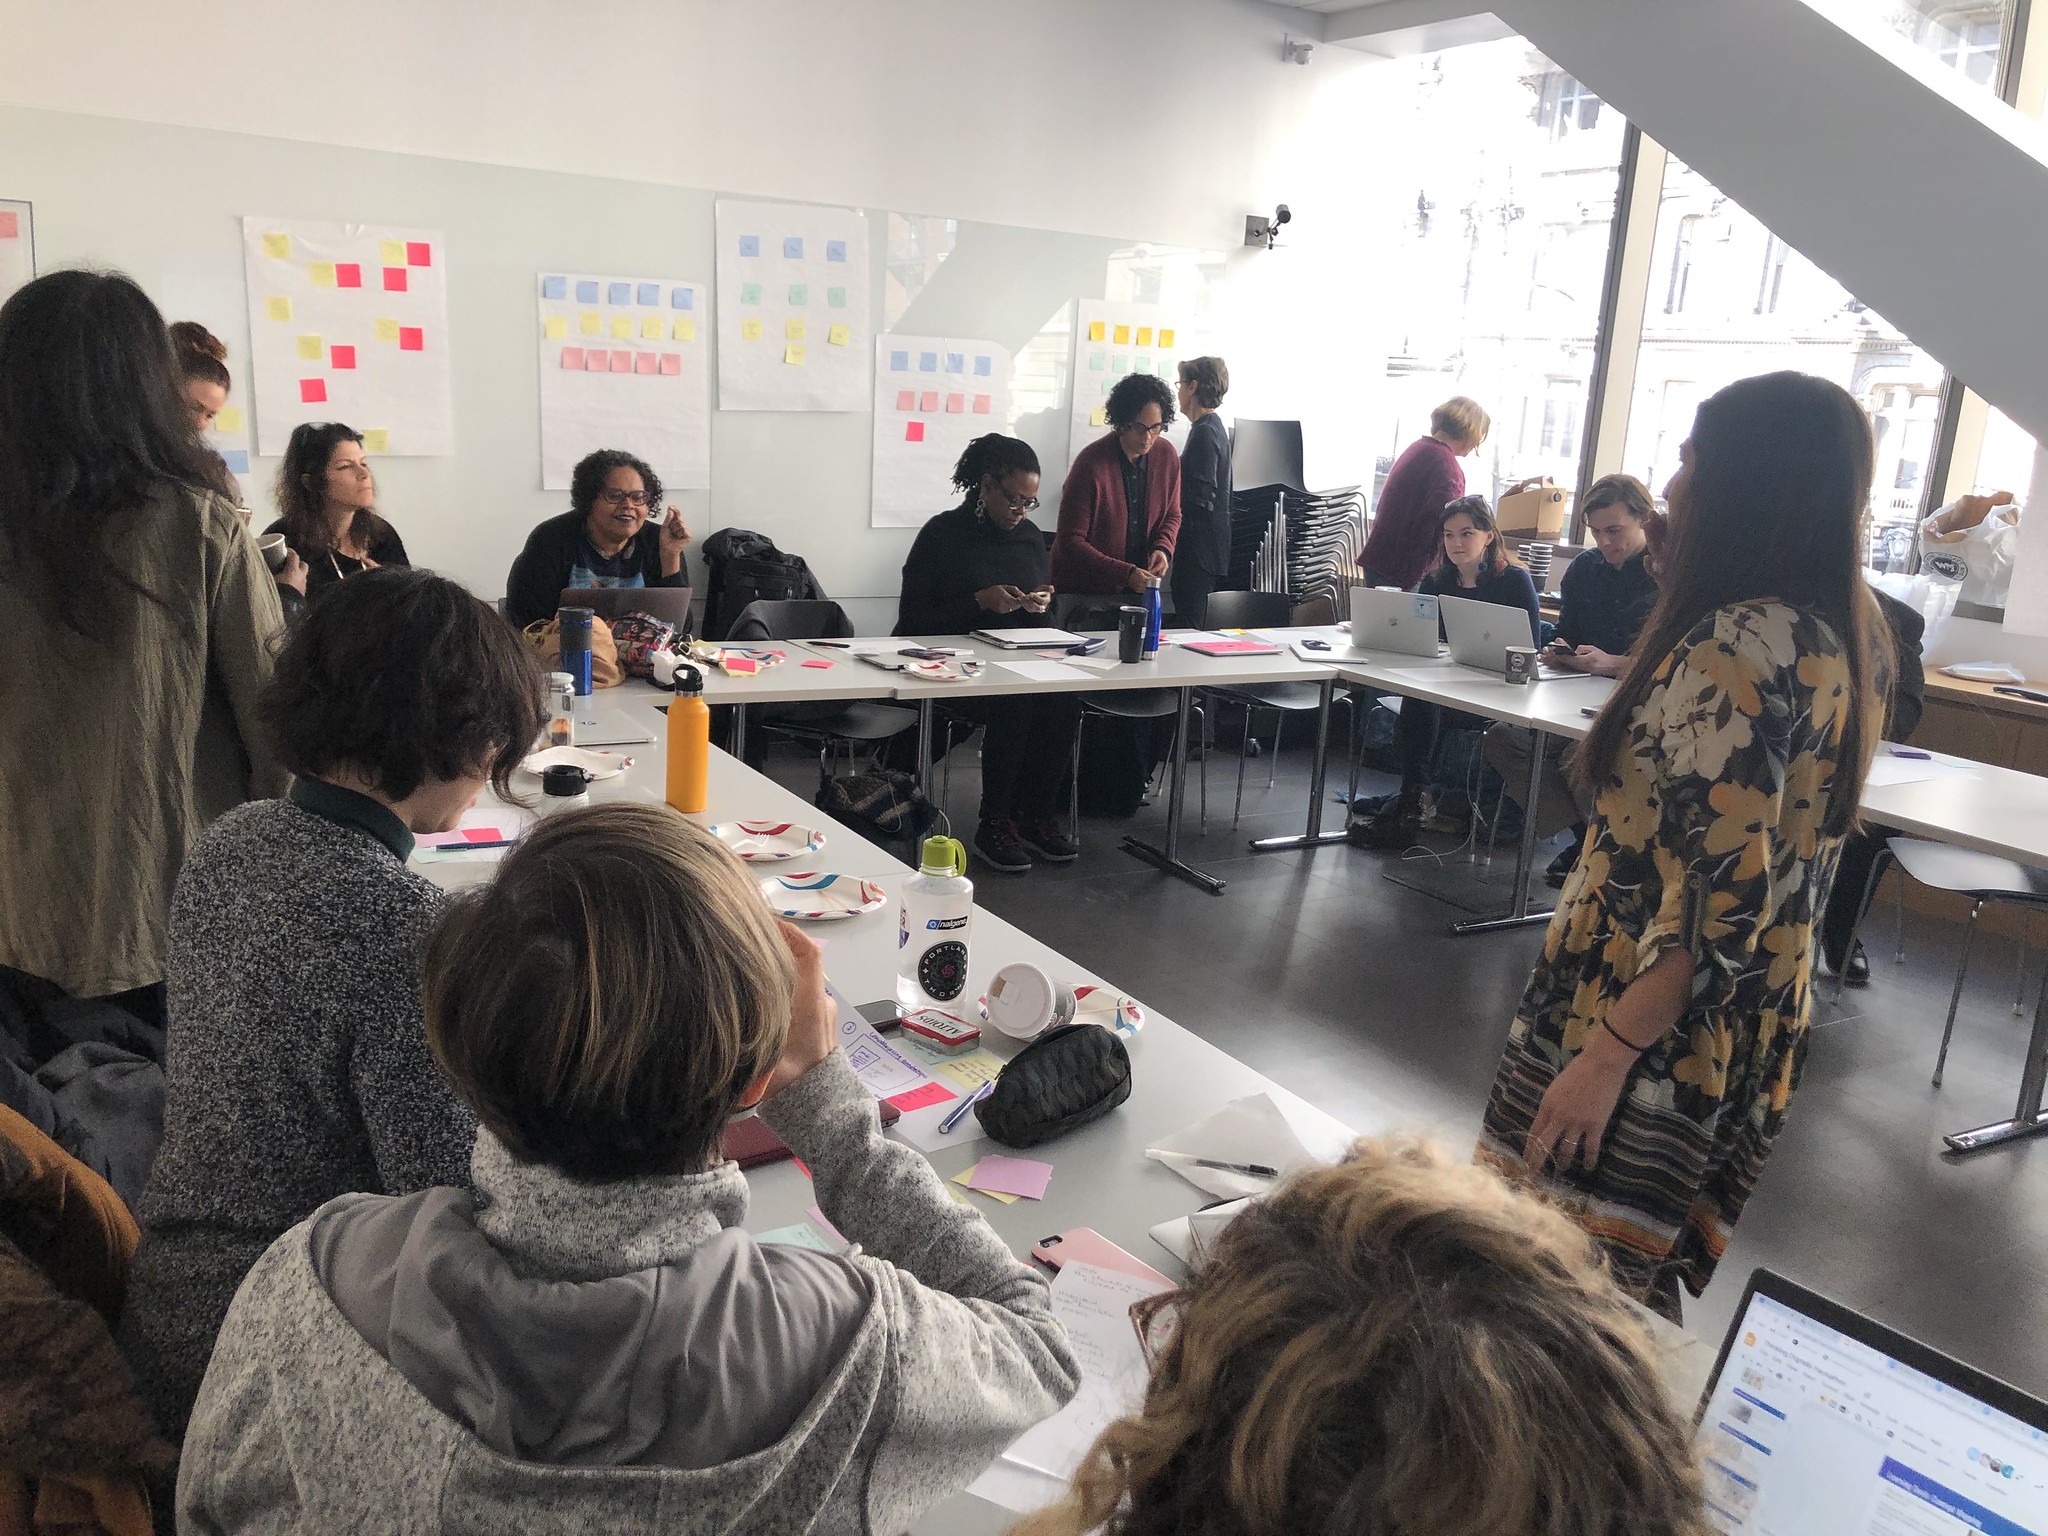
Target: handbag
(545, 636)
(637, 636)
(883, 800)
(1058, 1083)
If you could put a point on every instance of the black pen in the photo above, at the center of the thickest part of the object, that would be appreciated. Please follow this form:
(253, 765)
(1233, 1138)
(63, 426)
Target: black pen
(1254, 1170)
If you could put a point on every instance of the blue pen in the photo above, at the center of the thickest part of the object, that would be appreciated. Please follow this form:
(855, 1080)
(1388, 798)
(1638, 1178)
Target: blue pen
(960, 1111)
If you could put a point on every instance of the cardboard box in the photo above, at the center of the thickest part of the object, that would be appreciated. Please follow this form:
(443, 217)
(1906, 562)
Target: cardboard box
(1540, 512)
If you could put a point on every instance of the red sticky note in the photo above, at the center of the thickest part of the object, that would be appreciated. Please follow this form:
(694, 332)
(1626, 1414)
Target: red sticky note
(341, 357)
(348, 274)
(418, 254)
(920, 1098)
(956, 403)
(412, 338)
(10, 225)
(822, 666)
(394, 279)
(981, 404)
(906, 399)
(928, 401)
(672, 363)
(645, 362)
(312, 391)
(572, 357)
(913, 432)
(622, 362)
(597, 360)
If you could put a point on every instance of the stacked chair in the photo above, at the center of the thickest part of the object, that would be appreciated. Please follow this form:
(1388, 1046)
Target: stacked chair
(1285, 537)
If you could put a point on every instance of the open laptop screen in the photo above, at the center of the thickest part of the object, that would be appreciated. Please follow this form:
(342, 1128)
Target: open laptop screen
(1820, 1422)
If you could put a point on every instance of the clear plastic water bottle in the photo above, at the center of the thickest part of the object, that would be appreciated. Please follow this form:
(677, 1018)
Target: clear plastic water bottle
(931, 932)
(1153, 618)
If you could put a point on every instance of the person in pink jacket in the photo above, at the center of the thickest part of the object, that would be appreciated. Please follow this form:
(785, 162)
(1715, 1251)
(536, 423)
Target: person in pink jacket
(1403, 543)
(1120, 506)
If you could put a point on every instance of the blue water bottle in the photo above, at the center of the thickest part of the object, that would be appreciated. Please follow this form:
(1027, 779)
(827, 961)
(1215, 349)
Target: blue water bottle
(573, 625)
(1152, 616)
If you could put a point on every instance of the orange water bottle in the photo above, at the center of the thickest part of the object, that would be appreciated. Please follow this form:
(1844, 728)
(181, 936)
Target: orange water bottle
(689, 744)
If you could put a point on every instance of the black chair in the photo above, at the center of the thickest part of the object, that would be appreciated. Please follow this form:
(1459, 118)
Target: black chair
(1270, 610)
(1086, 614)
(859, 721)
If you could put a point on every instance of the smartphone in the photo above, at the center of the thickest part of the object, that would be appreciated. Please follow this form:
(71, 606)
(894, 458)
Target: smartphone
(1087, 1246)
(1590, 714)
(1315, 645)
(885, 1015)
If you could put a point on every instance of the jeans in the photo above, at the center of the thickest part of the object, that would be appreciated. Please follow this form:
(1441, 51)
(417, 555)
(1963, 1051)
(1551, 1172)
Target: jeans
(1559, 801)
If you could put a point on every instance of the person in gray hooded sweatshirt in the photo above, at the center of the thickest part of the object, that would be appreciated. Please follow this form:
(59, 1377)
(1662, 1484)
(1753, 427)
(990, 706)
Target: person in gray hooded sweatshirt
(590, 1341)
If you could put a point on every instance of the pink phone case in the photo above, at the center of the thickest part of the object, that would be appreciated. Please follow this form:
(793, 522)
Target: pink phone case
(1085, 1245)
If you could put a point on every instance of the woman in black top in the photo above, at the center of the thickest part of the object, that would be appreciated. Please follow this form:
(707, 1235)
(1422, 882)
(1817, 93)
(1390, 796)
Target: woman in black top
(329, 504)
(607, 538)
(985, 564)
(1477, 565)
(1201, 560)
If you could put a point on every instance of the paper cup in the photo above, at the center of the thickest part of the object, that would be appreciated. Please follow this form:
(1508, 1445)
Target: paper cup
(274, 552)
(1024, 1001)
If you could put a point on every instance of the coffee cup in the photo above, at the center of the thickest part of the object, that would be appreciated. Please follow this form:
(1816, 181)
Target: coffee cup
(1130, 634)
(1521, 663)
(1024, 1000)
(274, 552)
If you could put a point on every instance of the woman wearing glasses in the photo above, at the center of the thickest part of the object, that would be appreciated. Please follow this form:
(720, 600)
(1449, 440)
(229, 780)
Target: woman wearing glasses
(603, 540)
(983, 566)
(1120, 507)
(327, 501)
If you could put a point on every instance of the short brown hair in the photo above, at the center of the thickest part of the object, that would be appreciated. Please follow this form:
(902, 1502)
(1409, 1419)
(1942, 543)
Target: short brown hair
(1398, 1343)
(606, 1002)
(1210, 378)
(1461, 418)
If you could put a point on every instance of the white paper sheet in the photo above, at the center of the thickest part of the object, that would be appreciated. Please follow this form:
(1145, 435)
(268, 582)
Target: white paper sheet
(647, 390)
(1253, 1129)
(349, 322)
(1040, 671)
(1154, 341)
(1095, 1305)
(882, 1069)
(1886, 769)
(17, 246)
(933, 395)
(793, 307)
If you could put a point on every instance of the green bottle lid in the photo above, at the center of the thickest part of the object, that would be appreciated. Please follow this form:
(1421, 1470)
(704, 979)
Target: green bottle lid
(942, 856)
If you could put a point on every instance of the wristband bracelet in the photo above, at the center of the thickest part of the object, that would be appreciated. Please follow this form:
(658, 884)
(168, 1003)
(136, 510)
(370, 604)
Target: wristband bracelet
(1624, 1039)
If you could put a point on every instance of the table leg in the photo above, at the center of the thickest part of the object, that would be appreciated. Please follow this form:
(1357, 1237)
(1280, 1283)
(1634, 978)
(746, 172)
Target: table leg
(1168, 859)
(1518, 914)
(1318, 779)
(739, 732)
(2027, 1118)
(925, 709)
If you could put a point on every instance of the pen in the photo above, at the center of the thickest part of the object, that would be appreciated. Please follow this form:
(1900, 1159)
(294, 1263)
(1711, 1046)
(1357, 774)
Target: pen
(1255, 1170)
(960, 1110)
(837, 645)
(506, 842)
(1925, 757)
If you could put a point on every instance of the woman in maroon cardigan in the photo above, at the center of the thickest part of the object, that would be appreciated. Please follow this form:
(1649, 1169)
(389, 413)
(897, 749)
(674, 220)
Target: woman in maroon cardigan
(1120, 507)
(1404, 542)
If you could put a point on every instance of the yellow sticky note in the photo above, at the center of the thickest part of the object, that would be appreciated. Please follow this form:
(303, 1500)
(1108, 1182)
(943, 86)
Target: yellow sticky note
(962, 1178)
(386, 329)
(1165, 338)
(1144, 335)
(839, 335)
(391, 252)
(590, 322)
(622, 327)
(750, 330)
(322, 273)
(278, 245)
(793, 354)
(653, 329)
(278, 307)
(1098, 418)
(1123, 335)
(1095, 330)
(376, 440)
(558, 327)
(793, 329)
(686, 330)
(311, 348)
(229, 419)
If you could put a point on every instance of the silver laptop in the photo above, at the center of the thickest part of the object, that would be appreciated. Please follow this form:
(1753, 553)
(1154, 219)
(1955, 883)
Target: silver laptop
(669, 604)
(1480, 633)
(1383, 619)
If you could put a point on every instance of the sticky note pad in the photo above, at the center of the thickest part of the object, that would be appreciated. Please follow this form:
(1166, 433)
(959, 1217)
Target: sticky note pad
(597, 360)
(682, 298)
(586, 291)
(1095, 330)
(622, 327)
(229, 419)
(955, 404)
(312, 348)
(1122, 335)
(554, 287)
(647, 293)
(1098, 417)
(799, 294)
(750, 293)
(418, 253)
(277, 307)
(981, 405)
(983, 365)
(557, 327)
(590, 322)
(899, 362)
(750, 330)
(835, 298)
(391, 252)
(277, 245)
(928, 401)
(618, 293)
(622, 362)
(236, 459)
(572, 357)
(927, 362)
(792, 247)
(385, 328)
(376, 439)
(793, 329)
(956, 362)
(1166, 338)
(341, 357)
(348, 274)
(750, 245)
(835, 250)
(671, 363)
(1144, 335)
(10, 225)
(906, 399)
(395, 279)
(913, 432)
(793, 354)
(646, 362)
(653, 328)
(412, 338)
(965, 1178)
(321, 273)
(686, 330)
(1011, 1176)
(312, 391)
(838, 335)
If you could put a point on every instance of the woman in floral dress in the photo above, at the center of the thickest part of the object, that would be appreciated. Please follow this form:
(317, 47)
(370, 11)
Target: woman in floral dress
(1650, 1064)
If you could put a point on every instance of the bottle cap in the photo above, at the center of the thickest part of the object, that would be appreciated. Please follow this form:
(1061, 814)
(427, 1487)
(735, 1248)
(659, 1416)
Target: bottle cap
(689, 679)
(942, 856)
(563, 781)
(560, 680)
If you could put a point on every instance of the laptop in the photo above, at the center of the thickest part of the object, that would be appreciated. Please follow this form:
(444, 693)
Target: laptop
(1383, 619)
(1818, 1420)
(1480, 633)
(1027, 639)
(669, 604)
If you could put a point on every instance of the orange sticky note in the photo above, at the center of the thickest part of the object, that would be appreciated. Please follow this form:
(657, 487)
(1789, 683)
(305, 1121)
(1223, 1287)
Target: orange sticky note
(686, 330)
(590, 322)
(1123, 335)
(750, 330)
(1095, 330)
(793, 354)
(277, 245)
(793, 329)
(376, 440)
(838, 336)
(322, 274)
(558, 327)
(1165, 338)
(277, 307)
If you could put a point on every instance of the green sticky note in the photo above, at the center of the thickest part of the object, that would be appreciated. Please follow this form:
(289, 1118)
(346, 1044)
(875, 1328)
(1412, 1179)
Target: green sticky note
(836, 297)
(799, 293)
(1097, 361)
(750, 293)
(1142, 365)
(1116, 364)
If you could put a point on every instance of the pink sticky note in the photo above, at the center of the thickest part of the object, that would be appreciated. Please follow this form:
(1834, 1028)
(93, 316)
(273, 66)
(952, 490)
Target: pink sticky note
(622, 362)
(956, 403)
(572, 357)
(348, 274)
(981, 405)
(1011, 1176)
(921, 1098)
(312, 391)
(906, 399)
(818, 1220)
(597, 360)
(461, 835)
(418, 254)
(412, 338)
(10, 225)
(671, 364)
(645, 362)
(822, 666)
(913, 432)
(928, 401)
(341, 357)
(394, 279)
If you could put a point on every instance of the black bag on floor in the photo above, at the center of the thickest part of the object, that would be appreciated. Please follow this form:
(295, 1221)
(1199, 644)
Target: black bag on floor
(881, 802)
(746, 567)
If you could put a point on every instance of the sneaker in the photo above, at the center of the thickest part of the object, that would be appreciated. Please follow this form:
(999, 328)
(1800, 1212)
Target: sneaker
(1561, 867)
(999, 847)
(1856, 971)
(1042, 835)
(1394, 828)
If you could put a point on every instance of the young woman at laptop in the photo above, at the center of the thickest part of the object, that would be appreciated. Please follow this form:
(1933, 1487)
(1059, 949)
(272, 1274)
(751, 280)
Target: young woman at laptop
(1650, 1064)
(1475, 565)
(607, 538)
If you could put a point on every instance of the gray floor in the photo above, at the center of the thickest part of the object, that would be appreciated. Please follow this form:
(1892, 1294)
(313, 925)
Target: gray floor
(1349, 990)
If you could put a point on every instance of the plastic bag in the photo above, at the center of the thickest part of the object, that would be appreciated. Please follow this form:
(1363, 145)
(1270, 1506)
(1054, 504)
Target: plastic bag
(1971, 542)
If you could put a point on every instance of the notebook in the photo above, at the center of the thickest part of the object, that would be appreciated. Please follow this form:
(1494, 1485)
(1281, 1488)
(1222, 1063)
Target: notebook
(1028, 639)
(1232, 648)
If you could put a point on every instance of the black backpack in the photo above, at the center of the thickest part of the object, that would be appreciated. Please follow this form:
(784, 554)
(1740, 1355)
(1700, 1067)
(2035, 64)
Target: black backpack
(746, 567)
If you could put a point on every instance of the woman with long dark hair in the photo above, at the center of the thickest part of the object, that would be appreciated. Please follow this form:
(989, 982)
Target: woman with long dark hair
(142, 621)
(327, 501)
(1649, 1066)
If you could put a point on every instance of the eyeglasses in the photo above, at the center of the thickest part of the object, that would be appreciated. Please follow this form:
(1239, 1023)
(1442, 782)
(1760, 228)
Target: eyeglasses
(619, 498)
(1018, 503)
(1138, 426)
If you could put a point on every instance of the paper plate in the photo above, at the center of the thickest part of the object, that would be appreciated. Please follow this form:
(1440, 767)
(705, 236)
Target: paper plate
(810, 897)
(768, 842)
(599, 765)
(1108, 1007)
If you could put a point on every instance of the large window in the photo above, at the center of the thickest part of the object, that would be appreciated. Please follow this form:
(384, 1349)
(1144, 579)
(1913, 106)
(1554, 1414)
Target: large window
(1969, 36)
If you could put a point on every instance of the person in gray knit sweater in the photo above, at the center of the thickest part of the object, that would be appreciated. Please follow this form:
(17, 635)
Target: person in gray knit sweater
(590, 1341)
(298, 1065)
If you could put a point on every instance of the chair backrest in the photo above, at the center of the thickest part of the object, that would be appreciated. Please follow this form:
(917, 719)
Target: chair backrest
(1316, 610)
(1266, 455)
(1248, 610)
(802, 618)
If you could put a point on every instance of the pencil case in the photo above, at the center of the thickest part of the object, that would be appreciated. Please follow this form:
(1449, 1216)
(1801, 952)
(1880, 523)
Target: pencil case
(1058, 1083)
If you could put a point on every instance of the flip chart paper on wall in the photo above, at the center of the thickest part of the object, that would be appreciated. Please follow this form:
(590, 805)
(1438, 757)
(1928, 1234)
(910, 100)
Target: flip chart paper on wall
(398, 332)
(1144, 332)
(911, 474)
(784, 261)
(17, 247)
(658, 404)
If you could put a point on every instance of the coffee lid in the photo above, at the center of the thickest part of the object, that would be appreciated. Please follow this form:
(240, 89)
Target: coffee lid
(563, 780)
(1020, 999)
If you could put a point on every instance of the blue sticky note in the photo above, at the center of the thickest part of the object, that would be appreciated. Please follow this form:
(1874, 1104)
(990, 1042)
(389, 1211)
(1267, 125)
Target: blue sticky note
(799, 294)
(237, 460)
(956, 362)
(750, 245)
(899, 361)
(927, 362)
(982, 364)
(682, 298)
(554, 287)
(750, 293)
(793, 247)
(835, 250)
(650, 293)
(586, 293)
(619, 293)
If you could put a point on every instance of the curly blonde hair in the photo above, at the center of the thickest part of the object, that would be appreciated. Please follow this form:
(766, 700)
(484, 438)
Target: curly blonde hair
(1395, 1344)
